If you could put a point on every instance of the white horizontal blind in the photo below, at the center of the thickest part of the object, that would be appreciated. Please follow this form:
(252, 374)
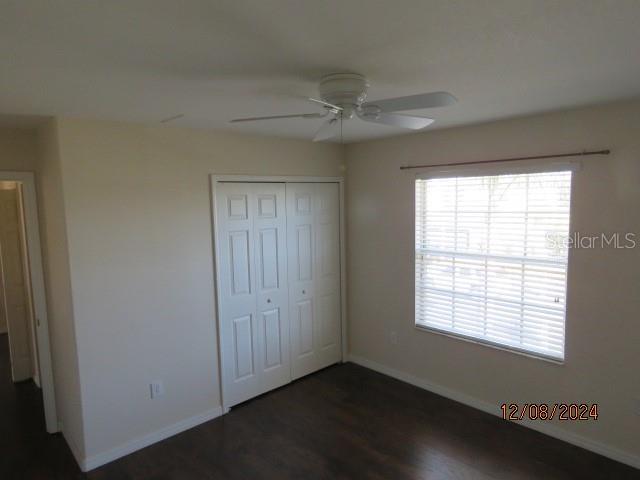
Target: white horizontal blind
(491, 263)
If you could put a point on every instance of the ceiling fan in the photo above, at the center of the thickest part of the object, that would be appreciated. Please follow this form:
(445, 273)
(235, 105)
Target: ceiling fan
(342, 96)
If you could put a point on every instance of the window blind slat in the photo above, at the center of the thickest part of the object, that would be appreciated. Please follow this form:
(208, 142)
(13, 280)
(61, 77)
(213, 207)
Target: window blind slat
(484, 265)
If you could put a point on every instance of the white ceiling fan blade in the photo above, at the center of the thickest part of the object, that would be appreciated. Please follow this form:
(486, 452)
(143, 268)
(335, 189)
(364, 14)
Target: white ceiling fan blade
(326, 104)
(276, 117)
(413, 102)
(399, 120)
(329, 129)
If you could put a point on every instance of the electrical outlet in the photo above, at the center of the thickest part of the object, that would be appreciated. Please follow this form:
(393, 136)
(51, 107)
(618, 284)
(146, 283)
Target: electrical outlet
(393, 337)
(157, 389)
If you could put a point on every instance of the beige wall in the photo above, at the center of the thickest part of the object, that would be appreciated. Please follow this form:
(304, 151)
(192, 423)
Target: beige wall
(18, 149)
(602, 328)
(55, 259)
(140, 248)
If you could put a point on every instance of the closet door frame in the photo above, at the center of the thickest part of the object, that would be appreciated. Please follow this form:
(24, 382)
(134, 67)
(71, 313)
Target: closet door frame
(215, 179)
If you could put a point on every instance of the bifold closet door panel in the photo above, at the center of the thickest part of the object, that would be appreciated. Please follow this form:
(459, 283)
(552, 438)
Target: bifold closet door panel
(327, 278)
(272, 299)
(253, 316)
(314, 275)
(237, 304)
(300, 248)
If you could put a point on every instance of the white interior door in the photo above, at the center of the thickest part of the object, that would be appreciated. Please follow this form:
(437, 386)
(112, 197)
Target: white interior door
(252, 290)
(270, 241)
(14, 286)
(313, 241)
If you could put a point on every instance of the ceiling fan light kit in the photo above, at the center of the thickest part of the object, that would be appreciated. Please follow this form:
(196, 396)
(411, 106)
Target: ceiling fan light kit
(346, 90)
(343, 96)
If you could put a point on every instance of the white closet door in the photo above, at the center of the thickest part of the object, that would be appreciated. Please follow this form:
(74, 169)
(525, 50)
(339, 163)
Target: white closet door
(327, 279)
(314, 275)
(254, 327)
(270, 234)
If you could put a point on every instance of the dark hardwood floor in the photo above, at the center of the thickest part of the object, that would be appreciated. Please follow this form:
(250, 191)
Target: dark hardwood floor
(343, 422)
(27, 451)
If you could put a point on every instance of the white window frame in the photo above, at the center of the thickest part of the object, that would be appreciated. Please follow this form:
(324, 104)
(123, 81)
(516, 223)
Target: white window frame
(523, 167)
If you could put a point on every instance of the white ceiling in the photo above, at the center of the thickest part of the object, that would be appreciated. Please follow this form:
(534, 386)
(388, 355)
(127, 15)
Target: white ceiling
(146, 60)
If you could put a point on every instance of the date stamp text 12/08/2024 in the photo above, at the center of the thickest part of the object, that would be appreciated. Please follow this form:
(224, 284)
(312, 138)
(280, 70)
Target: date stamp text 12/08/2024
(543, 411)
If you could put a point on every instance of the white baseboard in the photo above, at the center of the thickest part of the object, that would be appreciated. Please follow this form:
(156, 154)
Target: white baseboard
(99, 459)
(542, 427)
(73, 446)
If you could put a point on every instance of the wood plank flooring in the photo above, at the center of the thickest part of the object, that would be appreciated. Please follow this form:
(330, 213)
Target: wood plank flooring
(345, 422)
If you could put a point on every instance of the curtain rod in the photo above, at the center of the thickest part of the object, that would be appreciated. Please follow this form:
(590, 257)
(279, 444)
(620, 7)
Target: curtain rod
(512, 159)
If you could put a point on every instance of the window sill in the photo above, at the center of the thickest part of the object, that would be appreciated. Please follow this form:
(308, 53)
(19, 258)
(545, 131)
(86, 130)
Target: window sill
(457, 336)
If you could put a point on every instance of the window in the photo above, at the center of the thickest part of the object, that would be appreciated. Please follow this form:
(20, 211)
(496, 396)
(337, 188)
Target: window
(491, 260)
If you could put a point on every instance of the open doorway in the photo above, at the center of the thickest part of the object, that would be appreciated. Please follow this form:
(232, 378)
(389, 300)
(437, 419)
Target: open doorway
(17, 318)
(25, 358)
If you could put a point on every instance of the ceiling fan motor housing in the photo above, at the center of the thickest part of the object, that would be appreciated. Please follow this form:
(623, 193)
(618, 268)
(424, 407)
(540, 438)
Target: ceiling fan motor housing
(346, 90)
